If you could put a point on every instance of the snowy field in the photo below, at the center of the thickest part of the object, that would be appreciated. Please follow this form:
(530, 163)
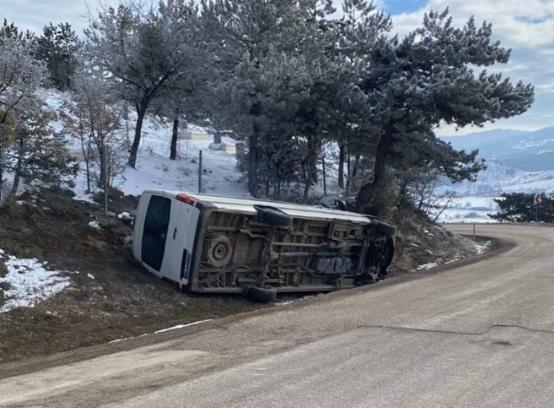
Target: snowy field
(154, 170)
(470, 209)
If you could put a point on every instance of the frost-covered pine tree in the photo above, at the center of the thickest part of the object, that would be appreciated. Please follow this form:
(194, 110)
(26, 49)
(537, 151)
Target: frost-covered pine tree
(144, 49)
(20, 78)
(243, 34)
(428, 78)
(36, 156)
(57, 48)
(357, 33)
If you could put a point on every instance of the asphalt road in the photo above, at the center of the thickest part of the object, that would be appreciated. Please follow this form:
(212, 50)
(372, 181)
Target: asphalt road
(479, 335)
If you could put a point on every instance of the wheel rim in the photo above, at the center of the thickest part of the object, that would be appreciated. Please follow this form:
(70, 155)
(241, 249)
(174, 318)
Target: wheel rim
(220, 251)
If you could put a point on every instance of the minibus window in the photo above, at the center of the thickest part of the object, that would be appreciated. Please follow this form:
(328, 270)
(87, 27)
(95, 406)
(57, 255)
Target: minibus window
(154, 236)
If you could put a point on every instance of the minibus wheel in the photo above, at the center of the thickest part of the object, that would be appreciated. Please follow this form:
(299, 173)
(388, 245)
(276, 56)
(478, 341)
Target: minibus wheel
(257, 294)
(219, 250)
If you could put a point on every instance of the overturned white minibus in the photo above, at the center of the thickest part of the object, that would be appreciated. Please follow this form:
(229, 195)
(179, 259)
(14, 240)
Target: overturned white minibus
(226, 245)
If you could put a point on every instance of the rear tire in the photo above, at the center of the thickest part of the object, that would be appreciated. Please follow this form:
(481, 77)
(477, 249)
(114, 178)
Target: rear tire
(257, 294)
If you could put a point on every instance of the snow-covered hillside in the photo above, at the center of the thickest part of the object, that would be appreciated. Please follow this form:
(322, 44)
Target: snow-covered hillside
(529, 151)
(517, 161)
(154, 170)
(499, 178)
(469, 209)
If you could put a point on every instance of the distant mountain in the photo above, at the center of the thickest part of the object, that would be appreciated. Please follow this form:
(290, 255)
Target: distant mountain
(517, 161)
(498, 179)
(531, 151)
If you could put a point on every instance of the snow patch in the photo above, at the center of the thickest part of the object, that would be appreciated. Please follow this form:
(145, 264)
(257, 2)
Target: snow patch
(427, 266)
(285, 303)
(127, 338)
(482, 247)
(94, 224)
(125, 216)
(81, 189)
(180, 326)
(29, 282)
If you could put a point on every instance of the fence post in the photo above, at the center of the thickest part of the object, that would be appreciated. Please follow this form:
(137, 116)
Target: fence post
(474, 231)
(200, 171)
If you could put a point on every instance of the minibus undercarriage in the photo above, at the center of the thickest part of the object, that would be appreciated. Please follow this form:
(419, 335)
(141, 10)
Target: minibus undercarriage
(288, 253)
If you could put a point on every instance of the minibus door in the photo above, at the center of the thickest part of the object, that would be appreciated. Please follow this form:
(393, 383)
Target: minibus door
(154, 235)
(180, 241)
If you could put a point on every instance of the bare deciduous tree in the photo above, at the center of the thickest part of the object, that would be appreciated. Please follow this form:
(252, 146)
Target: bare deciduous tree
(144, 49)
(94, 118)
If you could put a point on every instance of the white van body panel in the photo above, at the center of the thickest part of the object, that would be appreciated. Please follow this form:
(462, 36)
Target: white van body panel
(246, 206)
(137, 233)
(181, 233)
(180, 236)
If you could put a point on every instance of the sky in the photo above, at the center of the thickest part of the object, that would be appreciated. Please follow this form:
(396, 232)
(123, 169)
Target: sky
(525, 26)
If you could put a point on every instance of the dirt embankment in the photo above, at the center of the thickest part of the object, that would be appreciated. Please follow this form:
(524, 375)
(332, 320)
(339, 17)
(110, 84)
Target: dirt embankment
(111, 296)
(421, 244)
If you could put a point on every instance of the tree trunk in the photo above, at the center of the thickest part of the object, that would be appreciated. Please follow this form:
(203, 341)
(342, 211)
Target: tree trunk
(341, 166)
(348, 170)
(381, 155)
(126, 119)
(372, 196)
(307, 186)
(313, 149)
(174, 137)
(101, 153)
(141, 113)
(1, 171)
(17, 172)
(86, 158)
(355, 168)
(253, 160)
(106, 177)
(324, 175)
(278, 187)
(403, 191)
